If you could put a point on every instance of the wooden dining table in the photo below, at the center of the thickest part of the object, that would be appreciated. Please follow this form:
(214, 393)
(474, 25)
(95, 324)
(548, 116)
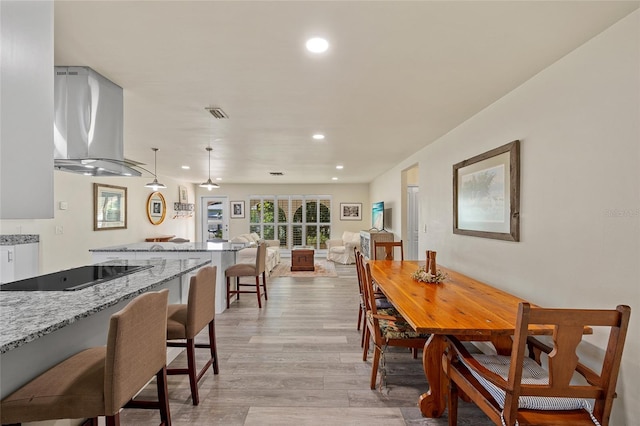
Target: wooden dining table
(460, 306)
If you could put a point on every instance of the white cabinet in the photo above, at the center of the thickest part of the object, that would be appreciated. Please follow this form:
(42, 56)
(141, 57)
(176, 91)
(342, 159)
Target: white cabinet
(7, 255)
(26, 163)
(18, 262)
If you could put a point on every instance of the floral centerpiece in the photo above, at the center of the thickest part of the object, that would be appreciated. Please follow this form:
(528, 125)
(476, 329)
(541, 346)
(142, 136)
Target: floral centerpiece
(421, 274)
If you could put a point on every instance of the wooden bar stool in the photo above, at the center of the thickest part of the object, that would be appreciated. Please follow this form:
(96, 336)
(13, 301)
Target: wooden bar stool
(100, 381)
(247, 270)
(184, 322)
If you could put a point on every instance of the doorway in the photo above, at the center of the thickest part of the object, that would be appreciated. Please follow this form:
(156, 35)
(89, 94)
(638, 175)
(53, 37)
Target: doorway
(411, 211)
(215, 218)
(413, 203)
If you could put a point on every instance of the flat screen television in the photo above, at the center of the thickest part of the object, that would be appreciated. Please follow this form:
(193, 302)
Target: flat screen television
(377, 215)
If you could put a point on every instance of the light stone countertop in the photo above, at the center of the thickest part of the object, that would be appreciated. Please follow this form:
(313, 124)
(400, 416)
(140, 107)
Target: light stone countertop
(172, 247)
(15, 239)
(28, 315)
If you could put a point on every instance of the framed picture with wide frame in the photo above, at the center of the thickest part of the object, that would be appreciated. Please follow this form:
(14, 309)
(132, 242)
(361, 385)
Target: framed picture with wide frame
(486, 194)
(237, 209)
(109, 207)
(350, 211)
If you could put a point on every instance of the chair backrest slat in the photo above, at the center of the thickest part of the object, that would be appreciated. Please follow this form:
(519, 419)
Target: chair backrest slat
(368, 288)
(358, 269)
(388, 247)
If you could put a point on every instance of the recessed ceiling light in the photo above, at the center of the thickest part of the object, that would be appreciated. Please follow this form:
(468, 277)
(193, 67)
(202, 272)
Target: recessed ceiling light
(218, 178)
(339, 167)
(317, 45)
(186, 167)
(334, 178)
(318, 136)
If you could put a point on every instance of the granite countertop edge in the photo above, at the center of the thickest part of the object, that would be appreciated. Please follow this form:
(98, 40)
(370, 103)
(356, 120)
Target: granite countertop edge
(172, 247)
(102, 295)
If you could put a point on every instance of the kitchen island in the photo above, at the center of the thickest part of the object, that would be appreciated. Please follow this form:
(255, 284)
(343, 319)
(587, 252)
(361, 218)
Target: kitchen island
(221, 255)
(41, 328)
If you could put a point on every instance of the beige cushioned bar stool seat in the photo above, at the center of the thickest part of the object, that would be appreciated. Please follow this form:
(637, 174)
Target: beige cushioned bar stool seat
(184, 322)
(100, 381)
(249, 270)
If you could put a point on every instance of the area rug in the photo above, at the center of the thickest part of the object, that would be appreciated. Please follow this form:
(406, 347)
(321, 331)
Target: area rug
(324, 268)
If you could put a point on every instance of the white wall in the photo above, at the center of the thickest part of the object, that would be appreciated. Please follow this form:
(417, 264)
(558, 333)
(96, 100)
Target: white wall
(579, 123)
(71, 248)
(391, 189)
(340, 193)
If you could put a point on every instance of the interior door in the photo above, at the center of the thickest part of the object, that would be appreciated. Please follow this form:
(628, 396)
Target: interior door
(413, 202)
(215, 218)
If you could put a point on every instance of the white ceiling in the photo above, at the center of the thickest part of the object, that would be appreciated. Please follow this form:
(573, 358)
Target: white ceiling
(396, 77)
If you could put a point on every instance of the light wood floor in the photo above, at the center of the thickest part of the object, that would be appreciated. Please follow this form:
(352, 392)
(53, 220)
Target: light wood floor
(298, 361)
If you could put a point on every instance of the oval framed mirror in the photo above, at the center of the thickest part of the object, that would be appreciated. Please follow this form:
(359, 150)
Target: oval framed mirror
(156, 208)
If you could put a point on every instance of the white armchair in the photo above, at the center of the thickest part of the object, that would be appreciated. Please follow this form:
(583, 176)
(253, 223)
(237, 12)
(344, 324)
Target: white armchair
(341, 250)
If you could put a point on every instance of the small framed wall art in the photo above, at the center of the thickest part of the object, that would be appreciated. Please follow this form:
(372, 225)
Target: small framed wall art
(183, 195)
(156, 208)
(109, 207)
(237, 209)
(350, 211)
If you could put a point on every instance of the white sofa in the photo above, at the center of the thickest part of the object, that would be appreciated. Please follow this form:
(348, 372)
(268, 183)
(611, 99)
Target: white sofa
(248, 254)
(341, 250)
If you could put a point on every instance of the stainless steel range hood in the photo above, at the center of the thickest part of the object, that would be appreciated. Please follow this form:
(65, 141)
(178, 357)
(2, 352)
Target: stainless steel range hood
(88, 124)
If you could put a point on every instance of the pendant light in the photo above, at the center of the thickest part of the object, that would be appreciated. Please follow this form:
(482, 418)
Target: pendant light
(208, 184)
(155, 185)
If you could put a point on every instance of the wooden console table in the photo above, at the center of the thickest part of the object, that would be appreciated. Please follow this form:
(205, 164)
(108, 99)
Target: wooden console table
(160, 239)
(302, 259)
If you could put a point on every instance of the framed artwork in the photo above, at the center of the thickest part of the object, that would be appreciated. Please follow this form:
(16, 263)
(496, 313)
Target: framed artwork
(183, 196)
(156, 208)
(486, 194)
(109, 207)
(350, 211)
(237, 209)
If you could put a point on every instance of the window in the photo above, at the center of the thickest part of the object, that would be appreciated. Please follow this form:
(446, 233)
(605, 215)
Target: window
(295, 220)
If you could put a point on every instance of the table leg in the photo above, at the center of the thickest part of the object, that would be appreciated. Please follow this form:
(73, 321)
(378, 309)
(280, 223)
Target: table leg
(433, 403)
(503, 344)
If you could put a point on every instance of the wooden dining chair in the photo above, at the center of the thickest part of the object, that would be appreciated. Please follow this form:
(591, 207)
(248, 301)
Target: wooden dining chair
(517, 390)
(388, 249)
(185, 321)
(381, 300)
(247, 270)
(360, 325)
(385, 327)
(100, 381)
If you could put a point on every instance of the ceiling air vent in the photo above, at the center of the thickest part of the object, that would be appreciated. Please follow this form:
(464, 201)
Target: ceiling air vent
(217, 112)
(276, 173)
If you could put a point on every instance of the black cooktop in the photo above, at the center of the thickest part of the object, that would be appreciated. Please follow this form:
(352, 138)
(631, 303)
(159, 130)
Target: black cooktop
(73, 279)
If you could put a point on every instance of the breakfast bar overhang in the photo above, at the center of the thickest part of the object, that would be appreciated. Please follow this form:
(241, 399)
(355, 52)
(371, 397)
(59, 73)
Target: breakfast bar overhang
(41, 328)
